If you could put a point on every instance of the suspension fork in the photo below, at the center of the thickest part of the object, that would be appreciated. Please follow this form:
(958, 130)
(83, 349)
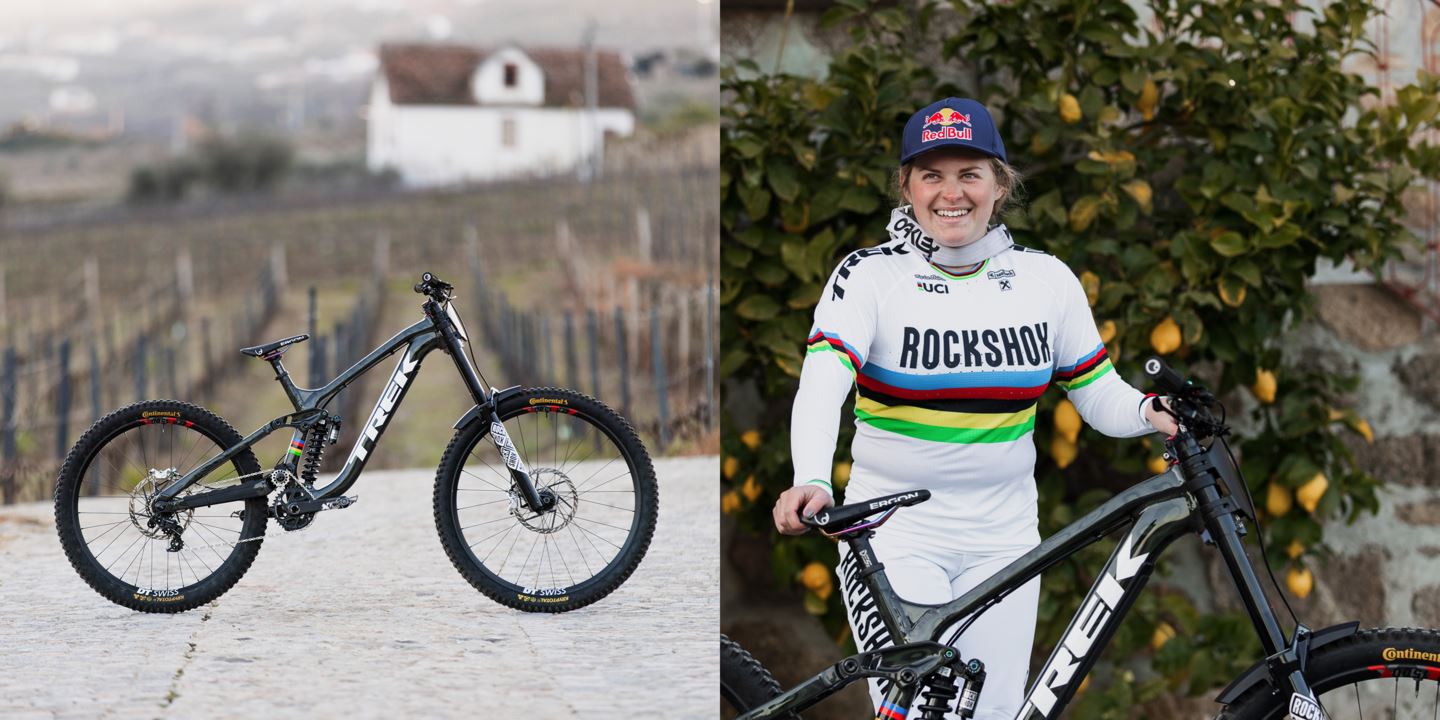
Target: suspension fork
(490, 412)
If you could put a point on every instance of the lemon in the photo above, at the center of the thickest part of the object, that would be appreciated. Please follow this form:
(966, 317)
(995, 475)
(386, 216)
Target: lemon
(1336, 415)
(751, 489)
(1084, 685)
(1295, 549)
(1232, 294)
(729, 502)
(1069, 109)
(1107, 331)
(1067, 420)
(1157, 465)
(728, 467)
(1277, 500)
(1363, 428)
(1264, 387)
(1309, 494)
(1165, 338)
(1141, 192)
(1063, 450)
(751, 438)
(840, 475)
(816, 578)
(1163, 634)
(1149, 97)
(1091, 282)
(1300, 581)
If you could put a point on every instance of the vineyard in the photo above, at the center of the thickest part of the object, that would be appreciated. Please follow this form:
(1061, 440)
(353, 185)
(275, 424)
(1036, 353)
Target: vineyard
(605, 287)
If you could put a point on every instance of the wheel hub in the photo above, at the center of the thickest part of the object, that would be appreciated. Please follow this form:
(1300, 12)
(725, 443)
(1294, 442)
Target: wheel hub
(151, 524)
(557, 496)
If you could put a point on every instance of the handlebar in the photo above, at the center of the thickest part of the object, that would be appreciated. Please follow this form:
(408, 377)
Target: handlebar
(1189, 401)
(437, 289)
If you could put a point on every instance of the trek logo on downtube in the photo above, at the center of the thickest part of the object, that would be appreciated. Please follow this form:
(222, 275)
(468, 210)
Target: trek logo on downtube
(384, 408)
(1095, 613)
(507, 448)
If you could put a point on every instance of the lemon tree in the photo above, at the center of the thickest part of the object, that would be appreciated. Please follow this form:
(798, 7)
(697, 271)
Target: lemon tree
(1191, 166)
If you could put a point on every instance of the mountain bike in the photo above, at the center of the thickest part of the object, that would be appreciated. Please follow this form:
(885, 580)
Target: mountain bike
(1311, 674)
(545, 499)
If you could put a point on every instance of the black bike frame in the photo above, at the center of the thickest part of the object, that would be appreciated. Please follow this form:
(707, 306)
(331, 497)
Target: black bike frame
(1182, 500)
(434, 331)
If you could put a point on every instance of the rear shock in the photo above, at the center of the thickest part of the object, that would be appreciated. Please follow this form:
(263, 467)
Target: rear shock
(317, 438)
(938, 694)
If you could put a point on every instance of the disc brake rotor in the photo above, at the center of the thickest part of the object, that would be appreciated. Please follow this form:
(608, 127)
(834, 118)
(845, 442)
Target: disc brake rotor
(560, 515)
(141, 496)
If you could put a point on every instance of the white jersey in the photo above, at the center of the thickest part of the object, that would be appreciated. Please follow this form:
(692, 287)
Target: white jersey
(948, 370)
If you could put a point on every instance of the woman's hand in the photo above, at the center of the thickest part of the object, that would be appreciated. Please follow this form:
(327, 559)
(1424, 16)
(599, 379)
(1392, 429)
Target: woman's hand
(1164, 422)
(801, 500)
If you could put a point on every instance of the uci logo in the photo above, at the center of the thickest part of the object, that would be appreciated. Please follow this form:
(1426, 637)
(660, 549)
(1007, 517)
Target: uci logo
(933, 287)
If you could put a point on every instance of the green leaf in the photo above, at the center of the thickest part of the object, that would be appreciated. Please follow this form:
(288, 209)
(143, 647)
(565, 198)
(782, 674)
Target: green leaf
(782, 180)
(1229, 244)
(757, 201)
(770, 274)
(757, 307)
(860, 200)
(794, 252)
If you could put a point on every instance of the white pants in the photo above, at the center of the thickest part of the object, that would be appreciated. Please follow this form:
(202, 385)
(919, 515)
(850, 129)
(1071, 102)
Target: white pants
(1001, 637)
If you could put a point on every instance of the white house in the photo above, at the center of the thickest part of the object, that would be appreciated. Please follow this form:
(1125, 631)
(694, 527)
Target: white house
(443, 114)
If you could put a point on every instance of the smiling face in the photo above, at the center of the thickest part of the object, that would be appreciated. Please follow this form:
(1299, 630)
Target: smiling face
(954, 192)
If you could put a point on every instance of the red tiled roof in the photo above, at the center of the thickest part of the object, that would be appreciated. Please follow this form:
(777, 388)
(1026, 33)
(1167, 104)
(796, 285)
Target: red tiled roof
(440, 75)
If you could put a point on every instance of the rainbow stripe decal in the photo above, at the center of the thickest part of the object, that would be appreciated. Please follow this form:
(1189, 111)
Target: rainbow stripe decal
(821, 341)
(297, 447)
(891, 711)
(1092, 367)
(966, 408)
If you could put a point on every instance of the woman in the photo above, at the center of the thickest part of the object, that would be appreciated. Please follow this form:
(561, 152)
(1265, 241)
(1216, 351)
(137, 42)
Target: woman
(950, 332)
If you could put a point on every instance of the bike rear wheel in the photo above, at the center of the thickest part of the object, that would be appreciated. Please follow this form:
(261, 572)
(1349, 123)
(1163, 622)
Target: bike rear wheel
(590, 461)
(108, 532)
(1377, 673)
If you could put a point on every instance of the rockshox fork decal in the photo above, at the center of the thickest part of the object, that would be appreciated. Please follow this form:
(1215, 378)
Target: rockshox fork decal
(506, 447)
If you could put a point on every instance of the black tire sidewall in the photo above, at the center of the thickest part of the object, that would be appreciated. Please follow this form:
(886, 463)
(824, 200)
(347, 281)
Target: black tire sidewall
(637, 541)
(72, 474)
(1344, 662)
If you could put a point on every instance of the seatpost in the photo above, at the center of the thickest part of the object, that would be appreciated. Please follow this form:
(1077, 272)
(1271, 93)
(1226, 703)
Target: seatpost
(872, 576)
(283, 377)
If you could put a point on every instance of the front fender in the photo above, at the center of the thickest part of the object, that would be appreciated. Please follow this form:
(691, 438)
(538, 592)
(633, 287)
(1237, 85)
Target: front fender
(1258, 673)
(496, 398)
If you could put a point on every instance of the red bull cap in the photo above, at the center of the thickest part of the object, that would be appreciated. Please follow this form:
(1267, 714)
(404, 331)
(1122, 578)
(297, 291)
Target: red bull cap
(950, 122)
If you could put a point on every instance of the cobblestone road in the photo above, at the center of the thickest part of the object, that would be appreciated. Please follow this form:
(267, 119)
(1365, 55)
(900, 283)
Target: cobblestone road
(361, 615)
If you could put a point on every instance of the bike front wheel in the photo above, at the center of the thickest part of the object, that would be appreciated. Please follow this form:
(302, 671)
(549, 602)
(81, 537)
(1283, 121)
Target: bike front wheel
(584, 457)
(1378, 673)
(146, 561)
(745, 684)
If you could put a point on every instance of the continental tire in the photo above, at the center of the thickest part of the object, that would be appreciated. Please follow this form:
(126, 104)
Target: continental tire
(745, 684)
(584, 547)
(1376, 673)
(103, 519)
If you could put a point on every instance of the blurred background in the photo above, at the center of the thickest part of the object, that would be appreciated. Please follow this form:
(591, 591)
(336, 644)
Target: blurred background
(180, 178)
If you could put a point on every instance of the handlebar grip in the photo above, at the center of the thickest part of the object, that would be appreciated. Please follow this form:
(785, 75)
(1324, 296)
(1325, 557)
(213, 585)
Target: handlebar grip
(1168, 380)
(419, 288)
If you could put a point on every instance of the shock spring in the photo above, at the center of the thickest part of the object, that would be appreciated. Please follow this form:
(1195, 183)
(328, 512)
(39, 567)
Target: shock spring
(315, 438)
(939, 695)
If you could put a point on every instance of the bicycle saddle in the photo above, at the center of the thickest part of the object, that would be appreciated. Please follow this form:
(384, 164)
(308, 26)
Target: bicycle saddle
(275, 348)
(837, 519)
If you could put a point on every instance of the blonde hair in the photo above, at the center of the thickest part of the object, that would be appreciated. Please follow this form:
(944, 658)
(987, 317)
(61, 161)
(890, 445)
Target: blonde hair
(1006, 177)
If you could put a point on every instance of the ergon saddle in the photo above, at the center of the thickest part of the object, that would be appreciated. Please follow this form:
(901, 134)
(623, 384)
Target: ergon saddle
(851, 519)
(274, 349)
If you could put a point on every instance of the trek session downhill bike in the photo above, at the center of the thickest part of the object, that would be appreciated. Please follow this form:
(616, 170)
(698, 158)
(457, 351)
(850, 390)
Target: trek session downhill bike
(1335, 672)
(545, 499)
